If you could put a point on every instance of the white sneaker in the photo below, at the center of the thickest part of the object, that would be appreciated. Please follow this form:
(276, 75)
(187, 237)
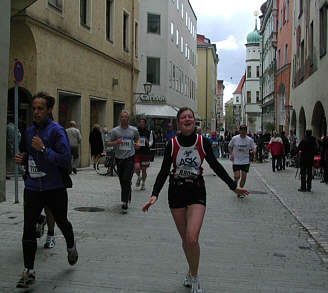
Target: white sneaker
(143, 185)
(187, 281)
(138, 181)
(195, 285)
(50, 242)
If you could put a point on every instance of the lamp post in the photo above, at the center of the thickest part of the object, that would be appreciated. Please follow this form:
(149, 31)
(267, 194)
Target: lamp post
(147, 88)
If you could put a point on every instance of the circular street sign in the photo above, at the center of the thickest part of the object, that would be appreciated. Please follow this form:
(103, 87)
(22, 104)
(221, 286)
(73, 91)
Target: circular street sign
(18, 71)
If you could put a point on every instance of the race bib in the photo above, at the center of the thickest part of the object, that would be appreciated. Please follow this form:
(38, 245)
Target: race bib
(187, 172)
(33, 169)
(142, 141)
(126, 144)
(215, 144)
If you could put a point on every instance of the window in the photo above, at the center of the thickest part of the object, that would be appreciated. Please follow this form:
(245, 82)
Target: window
(178, 4)
(301, 8)
(125, 32)
(286, 54)
(249, 71)
(58, 4)
(173, 76)
(136, 39)
(302, 58)
(311, 44)
(186, 50)
(172, 31)
(280, 20)
(257, 71)
(109, 20)
(85, 13)
(278, 59)
(323, 30)
(237, 99)
(258, 100)
(186, 18)
(177, 39)
(153, 70)
(287, 11)
(181, 44)
(170, 74)
(249, 97)
(154, 23)
(181, 10)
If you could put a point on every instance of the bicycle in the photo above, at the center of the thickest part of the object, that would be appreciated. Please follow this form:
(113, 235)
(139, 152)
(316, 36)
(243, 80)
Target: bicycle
(106, 164)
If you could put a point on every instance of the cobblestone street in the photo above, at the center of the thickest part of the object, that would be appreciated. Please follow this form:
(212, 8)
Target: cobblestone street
(259, 244)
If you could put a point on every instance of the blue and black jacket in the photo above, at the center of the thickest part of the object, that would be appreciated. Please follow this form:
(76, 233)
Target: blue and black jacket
(52, 162)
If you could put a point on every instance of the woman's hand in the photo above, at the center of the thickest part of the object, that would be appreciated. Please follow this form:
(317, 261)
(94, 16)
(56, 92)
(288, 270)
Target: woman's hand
(19, 158)
(241, 191)
(149, 203)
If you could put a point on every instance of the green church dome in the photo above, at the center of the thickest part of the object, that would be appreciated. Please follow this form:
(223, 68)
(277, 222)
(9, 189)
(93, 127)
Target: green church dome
(253, 37)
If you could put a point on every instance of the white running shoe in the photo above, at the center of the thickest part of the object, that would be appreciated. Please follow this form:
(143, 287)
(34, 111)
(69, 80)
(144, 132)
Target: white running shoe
(138, 181)
(187, 281)
(195, 285)
(50, 242)
(143, 185)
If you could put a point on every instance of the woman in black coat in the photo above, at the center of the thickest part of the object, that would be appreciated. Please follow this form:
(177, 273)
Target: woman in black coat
(96, 143)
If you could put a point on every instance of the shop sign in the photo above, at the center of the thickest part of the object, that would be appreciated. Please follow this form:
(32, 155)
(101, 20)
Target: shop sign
(147, 99)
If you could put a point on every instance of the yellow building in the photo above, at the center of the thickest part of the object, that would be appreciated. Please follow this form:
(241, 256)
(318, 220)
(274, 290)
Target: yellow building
(84, 53)
(206, 83)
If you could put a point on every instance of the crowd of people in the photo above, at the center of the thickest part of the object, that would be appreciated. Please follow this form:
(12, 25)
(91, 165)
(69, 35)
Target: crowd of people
(50, 153)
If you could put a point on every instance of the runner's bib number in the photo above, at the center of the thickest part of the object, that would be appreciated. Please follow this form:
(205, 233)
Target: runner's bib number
(33, 169)
(187, 172)
(142, 141)
(126, 144)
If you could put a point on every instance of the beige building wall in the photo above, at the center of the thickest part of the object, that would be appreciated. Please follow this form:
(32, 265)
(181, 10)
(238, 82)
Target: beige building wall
(206, 86)
(87, 73)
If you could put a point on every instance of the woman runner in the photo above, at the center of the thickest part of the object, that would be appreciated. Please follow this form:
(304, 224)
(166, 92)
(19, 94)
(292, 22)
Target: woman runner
(187, 194)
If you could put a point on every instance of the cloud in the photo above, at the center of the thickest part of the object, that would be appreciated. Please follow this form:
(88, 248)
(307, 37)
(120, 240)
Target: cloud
(228, 90)
(223, 8)
(229, 44)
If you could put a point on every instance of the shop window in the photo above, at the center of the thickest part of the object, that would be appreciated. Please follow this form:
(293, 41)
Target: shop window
(154, 24)
(153, 70)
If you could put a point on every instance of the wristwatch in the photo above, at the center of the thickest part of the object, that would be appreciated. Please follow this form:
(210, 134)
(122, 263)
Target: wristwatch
(43, 149)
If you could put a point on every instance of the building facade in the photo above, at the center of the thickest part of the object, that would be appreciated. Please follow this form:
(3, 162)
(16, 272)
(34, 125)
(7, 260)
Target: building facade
(168, 54)
(219, 105)
(228, 119)
(252, 97)
(283, 65)
(81, 52)
(268, 34)
(309, 87)
(207, 82)
(238, 105)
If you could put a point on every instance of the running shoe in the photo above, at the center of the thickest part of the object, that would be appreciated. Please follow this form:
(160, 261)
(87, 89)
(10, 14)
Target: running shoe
(143, 185)
(187, 281)
(27, 279)
(125, 207)
(195, 285)
(72, 255)
(241, 196)
(138, 181)
(50, 242)
(39, 230)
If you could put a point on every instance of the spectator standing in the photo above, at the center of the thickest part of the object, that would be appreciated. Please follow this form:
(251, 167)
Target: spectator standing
(96, 144)
(307, 150)
(324, 158)
(277, 149)
(214, 141)
(169, 133)
(293, 143)
(75, 138)
(285, 141)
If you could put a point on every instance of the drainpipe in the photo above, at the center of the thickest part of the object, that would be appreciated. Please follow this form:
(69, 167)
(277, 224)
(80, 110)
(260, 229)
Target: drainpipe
(206, 82)
(132, 59)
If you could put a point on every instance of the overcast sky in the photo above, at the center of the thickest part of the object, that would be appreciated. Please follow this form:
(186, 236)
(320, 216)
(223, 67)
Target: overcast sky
(227, 23)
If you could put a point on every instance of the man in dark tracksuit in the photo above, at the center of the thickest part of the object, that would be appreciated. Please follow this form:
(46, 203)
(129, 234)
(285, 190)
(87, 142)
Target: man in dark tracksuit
(46, 151)
(307, 150)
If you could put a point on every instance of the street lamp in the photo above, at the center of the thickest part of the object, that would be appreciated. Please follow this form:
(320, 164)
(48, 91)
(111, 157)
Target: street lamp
(147, 87)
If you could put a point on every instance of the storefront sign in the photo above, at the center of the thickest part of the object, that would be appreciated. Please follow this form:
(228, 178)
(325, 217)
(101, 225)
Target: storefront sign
(146, 99)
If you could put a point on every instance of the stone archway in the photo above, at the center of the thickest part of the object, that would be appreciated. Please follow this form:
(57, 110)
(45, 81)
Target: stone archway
(281, 111)
(301, 124)
(319, 123)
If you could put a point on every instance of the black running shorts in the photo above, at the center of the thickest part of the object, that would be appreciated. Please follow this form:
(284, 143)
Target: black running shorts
(182, 194)
(244, 168)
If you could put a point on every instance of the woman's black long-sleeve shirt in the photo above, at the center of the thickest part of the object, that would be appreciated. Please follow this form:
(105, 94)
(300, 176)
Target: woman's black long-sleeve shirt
(187, 141)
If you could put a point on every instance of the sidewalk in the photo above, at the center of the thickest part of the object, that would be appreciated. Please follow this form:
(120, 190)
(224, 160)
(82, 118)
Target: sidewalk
(309, 208)
(247, 246)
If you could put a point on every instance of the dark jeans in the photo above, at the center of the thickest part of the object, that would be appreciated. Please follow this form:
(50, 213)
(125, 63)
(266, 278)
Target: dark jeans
(283, 161)
(125, 169)
(325, 171)
(34, 202)
(306, 177)
(276, 162)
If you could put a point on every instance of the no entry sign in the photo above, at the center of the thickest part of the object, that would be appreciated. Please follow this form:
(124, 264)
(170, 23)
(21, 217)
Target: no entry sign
(18, 71)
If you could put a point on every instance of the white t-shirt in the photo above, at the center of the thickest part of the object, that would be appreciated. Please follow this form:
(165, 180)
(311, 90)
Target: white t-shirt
(240, 149)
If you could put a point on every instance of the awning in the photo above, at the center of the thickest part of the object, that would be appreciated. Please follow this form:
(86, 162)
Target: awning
(157, 111)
